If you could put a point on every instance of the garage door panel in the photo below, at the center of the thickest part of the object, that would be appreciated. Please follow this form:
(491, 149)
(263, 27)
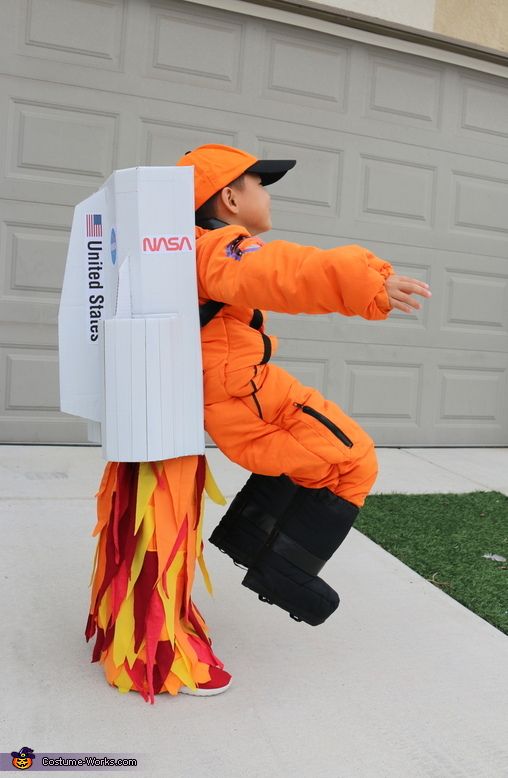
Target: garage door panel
(43, 429)
(470, 394)
(419, 194)
(55, 141)
(294, 66)
(27, 311)
(31, 380)
(389, 113)
(404, 90)
(395, 189)
(46, 427)
(59, 148)
(177, 33)
(397, 328)
(467, 402)
(314, 363)
(53, 47)
(201, 54)
(87, 32)
(353, 370)
(34, 261)
(317, 182)
(33, 249)
(33, 246)
(484, 109)
(480, 202)
(356, 97)
(397, 398)
(477, 303)
(162, 142)
(434, 399)
(21, 333)
(447, 139)
(308, 369)
(154, 51)
(408, 199)
(437, 121)
(401, 154)
(233, 61)
(29, 398)
(462, 198)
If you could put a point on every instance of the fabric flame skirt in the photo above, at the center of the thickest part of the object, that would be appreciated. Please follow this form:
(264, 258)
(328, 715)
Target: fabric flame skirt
(151, 637)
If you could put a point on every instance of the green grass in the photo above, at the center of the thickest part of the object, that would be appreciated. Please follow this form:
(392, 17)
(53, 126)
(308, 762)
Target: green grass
(443, 537)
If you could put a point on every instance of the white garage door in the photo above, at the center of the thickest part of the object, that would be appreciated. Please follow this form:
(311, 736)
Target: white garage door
(405, 155)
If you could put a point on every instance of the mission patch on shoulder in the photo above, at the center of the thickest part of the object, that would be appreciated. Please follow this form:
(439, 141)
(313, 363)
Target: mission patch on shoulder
(241, 245)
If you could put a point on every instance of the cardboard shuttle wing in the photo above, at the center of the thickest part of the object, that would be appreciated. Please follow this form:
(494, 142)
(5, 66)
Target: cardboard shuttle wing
(128, 324)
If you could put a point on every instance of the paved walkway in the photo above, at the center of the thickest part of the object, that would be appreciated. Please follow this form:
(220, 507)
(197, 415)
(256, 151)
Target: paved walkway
(401, 682)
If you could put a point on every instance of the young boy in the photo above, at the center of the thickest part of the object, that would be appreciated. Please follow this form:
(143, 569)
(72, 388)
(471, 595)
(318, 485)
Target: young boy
(312, 465)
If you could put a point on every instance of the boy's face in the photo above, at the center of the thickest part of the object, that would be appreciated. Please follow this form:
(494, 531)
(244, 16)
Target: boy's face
(253, 205)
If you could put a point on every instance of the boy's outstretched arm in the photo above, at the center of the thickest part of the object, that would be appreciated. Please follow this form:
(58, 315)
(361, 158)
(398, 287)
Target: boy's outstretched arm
(289, 278)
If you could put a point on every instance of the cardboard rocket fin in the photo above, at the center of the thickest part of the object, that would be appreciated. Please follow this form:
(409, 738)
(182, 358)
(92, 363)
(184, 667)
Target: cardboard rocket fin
(81, 309)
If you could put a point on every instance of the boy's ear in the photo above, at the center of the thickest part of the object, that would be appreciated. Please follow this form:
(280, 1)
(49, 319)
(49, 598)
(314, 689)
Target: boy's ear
(228, 199)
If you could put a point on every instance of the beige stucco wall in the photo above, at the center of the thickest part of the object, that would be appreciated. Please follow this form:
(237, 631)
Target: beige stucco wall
(479, 21)
(414, 13)
(484, 22)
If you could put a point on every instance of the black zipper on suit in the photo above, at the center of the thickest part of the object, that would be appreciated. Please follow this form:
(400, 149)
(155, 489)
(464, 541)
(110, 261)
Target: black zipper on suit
(258, 406)
(327, 423)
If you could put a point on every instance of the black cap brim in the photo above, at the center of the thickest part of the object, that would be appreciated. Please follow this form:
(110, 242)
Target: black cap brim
(271, 170)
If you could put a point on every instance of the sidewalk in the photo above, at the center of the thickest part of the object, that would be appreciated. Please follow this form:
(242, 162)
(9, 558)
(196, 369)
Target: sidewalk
(402, 682)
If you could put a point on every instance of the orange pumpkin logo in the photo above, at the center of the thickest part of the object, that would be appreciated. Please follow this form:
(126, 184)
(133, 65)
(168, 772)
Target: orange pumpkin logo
(23, 758)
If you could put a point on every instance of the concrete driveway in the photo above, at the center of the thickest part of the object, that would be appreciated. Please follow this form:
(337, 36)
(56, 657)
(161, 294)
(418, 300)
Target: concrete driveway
(400, 681)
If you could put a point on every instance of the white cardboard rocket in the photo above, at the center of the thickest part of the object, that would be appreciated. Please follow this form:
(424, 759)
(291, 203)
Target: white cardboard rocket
(129, 335)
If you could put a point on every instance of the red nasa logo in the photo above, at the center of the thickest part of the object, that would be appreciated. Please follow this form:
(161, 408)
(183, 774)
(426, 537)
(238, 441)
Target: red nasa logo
(165, 243)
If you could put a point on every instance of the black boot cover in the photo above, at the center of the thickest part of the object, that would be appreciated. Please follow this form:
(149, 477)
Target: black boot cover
(285, 573)
(251, 517)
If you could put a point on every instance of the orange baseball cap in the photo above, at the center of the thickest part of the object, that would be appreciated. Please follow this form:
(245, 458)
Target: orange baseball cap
(215, 166)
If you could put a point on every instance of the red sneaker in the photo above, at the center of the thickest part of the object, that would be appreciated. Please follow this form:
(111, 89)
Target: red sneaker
(219, 681)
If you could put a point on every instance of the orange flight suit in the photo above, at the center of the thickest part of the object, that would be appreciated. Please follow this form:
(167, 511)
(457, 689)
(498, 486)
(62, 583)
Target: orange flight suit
(259, 415)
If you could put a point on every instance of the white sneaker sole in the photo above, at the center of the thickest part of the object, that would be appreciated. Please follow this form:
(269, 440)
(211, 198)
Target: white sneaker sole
(204, 692)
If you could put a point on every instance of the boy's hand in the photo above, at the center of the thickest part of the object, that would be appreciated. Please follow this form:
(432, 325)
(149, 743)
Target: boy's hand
(399, 289)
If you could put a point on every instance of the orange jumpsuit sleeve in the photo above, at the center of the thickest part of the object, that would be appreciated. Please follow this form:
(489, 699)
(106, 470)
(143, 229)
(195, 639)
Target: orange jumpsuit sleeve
(289, 278)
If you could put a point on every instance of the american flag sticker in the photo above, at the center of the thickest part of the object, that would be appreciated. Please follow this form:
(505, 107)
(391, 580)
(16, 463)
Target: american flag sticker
(94, 225)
